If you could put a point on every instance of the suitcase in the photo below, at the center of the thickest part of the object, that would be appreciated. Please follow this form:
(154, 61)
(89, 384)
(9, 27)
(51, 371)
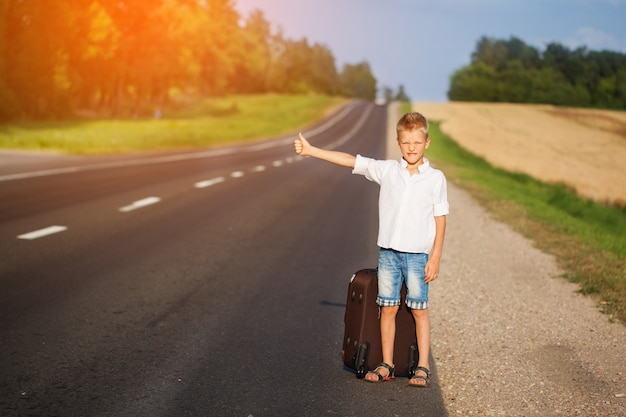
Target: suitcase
(362, 350)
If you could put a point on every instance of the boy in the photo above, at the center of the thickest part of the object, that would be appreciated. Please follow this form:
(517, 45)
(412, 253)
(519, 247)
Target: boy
(413, 205)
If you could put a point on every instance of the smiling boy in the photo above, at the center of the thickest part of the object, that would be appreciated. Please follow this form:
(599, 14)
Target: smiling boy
(413, 206)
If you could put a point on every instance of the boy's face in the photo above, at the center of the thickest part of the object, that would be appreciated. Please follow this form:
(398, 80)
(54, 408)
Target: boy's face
(413, 144)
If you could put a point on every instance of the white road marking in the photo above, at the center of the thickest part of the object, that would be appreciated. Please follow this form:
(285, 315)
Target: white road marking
(153, 200)
(42, 173)
(140, 203)
(208, 183)
(42, 232)
(169, 158)
(352, 132)
(192, 155)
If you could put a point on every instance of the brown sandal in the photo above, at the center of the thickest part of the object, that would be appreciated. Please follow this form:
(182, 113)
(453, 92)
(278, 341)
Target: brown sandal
(379, 377)
(418, 380)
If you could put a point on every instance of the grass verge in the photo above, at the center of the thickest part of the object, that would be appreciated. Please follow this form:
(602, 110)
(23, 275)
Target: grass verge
(207, 122)
(588, 239)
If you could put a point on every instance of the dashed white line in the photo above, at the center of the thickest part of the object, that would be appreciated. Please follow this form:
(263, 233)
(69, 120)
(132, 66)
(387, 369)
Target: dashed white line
(42, 232)
(153, 200)
(208, 183)
(140, 203)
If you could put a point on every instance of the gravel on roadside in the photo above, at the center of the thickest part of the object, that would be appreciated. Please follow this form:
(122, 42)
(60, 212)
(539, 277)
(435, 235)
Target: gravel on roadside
(510, 337)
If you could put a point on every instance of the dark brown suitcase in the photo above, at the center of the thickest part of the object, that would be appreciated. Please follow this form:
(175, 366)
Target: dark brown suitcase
(362, 350)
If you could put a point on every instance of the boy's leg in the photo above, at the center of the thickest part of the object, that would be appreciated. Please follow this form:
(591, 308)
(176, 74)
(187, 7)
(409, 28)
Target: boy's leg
(417, 300)
(422, 330)
(388, 332)
(387, 339)
(389, 282)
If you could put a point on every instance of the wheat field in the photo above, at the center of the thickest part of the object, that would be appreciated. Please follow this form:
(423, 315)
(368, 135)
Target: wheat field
(583, 148)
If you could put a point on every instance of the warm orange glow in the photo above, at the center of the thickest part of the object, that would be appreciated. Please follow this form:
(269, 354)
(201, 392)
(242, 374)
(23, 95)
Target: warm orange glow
(123, 58)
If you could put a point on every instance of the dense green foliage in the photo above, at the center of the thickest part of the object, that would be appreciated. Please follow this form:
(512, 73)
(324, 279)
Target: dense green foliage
(116, 58)
(511, 71)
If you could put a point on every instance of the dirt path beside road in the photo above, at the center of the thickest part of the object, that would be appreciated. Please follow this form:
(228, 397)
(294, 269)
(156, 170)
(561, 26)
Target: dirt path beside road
(512, 338)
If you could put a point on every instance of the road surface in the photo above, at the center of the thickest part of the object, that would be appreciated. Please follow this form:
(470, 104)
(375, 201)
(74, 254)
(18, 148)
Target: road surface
(206, 283)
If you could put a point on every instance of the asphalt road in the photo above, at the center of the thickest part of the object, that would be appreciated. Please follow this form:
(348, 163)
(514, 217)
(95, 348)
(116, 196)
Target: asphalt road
(206, 283)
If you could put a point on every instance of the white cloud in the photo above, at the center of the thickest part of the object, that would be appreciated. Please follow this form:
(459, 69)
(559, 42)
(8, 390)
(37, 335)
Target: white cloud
(595, 39)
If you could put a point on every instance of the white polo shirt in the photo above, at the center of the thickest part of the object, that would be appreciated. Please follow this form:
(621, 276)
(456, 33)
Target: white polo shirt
(407, 204)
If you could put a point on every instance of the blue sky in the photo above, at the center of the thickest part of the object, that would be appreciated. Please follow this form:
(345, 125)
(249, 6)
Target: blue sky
(420, 43)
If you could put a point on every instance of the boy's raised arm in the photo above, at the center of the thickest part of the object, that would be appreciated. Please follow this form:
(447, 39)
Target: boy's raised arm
(304, 148)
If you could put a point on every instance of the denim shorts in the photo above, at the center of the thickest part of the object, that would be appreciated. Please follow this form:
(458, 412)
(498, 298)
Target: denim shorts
(394, 268)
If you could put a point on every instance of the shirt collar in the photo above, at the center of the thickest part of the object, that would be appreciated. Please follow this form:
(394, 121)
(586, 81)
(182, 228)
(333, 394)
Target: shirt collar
(422, 168)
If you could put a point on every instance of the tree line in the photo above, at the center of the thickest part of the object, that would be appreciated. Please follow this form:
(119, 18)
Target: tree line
(512, 71)
(119, 58)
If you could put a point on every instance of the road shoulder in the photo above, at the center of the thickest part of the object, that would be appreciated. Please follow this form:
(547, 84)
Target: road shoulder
(509, 335)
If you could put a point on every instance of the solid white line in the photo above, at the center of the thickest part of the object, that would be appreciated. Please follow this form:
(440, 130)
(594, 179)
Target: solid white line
(179, 157)
(351, 133)
(41, 173)
(121, 164)
(42, 232)
(140, 203)
(208, 183)
(313, 132)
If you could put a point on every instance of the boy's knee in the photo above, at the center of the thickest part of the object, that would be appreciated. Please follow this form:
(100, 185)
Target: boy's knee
(389, 310)
(420, 314)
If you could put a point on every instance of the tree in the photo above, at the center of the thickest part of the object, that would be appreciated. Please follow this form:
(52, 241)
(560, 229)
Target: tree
(7, 100)
(490, 52)
(401, 94)
(387, 93)
(476, 82)
(256, 59)
(126, 58)
(357, 81)
(510, 70)
(35, 63)
(513, 83)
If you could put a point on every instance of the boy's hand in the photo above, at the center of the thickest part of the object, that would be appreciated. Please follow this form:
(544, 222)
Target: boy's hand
(431, 271)
(302, 146)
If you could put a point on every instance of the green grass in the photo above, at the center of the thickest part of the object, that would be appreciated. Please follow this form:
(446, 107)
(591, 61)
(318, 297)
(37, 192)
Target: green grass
(587, 238)
(206, 123)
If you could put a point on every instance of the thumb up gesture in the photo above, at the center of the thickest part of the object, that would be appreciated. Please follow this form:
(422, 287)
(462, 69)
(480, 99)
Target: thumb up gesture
(302, 146)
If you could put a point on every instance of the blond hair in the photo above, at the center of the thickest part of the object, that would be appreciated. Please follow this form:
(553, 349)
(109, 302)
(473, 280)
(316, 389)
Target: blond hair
(412, 121)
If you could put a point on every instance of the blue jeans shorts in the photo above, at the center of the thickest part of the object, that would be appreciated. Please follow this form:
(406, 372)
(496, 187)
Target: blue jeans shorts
(394, 268)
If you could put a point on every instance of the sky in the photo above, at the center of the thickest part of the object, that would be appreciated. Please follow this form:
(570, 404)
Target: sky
(420, 43)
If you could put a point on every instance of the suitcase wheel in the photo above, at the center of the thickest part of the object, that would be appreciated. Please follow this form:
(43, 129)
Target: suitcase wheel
(360, 360)
(413, 359)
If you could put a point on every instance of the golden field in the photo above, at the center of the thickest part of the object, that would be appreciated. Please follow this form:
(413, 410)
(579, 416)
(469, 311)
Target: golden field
(583, 148)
